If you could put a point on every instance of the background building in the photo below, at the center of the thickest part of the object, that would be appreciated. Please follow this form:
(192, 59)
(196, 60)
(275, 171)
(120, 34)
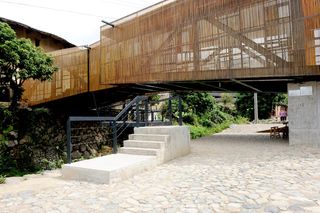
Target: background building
(46, 41)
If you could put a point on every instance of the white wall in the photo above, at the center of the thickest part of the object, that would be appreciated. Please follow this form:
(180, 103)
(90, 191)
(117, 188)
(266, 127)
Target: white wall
(304, 113)
(178, 143)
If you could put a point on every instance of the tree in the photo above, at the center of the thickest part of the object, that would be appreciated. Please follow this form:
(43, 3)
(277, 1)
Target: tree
(20, 60)
(199, 108)
(245, 105)
(199, 102)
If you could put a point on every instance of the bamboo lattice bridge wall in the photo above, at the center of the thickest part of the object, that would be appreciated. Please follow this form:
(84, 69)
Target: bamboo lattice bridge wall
(192, 40)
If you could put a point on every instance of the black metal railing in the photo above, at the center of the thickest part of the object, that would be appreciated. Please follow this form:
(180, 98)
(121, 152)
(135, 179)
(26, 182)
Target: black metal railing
(139, 112)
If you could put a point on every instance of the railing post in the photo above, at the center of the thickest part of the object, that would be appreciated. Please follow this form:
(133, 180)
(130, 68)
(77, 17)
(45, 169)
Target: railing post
(146, 112)
(114, 137)
(152, 116)
(138, 113)
(69, 142)
(170, 109)
(180, 111)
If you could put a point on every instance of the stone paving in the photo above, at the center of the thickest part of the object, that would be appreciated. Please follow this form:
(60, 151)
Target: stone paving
(234, 171)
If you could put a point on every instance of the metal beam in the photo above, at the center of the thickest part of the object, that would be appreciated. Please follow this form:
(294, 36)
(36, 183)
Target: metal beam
(210, 57)
(246, 85)
(89, 118)
(212, 86)
(152, 86)
(164, 44)
(142, 89)
(178, 86)
(253, 55)
(108, 23)
(268, 80)
(248, 42)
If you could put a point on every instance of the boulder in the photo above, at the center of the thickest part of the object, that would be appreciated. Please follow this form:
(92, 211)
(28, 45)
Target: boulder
(83, 148)
(13, 135)
(86, 154)
(12, 143)
(76, 155)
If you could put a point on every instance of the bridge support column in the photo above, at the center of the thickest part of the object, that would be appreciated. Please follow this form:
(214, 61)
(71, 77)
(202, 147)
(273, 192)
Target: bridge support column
(304, 113)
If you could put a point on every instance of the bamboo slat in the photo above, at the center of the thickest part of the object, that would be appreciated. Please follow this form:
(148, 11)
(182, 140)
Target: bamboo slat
(186, 40)
(210, 36)
(71, 79)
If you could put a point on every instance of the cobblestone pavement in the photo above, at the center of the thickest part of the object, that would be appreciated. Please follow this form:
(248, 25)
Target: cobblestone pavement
(228, 172)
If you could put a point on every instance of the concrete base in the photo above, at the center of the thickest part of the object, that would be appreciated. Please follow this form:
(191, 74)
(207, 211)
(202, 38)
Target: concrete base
(147, 148)
(108, 169)
(304, 113)
(177, 143)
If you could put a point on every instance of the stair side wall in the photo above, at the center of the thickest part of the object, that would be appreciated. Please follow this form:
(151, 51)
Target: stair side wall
(178, 143)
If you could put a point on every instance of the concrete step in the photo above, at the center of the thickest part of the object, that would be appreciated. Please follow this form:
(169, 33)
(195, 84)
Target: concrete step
(148, 137)
(155, 130)
(143, 144)
(139, 151)
(108, 169)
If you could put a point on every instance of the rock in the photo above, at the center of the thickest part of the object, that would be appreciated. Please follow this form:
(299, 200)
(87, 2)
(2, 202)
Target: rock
(25, 140)
(106, 149)
(13, 135)
(83, 148)
(59, 137)
(296, 208)
(132, 202)
(86, 154)
(272, 209)
(11, 143)
(76, 155)
(45, 138)
(95, 147)
(251, 206)
(93, 152)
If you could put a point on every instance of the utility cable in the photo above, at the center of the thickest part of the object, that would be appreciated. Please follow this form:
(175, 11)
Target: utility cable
(55, 9)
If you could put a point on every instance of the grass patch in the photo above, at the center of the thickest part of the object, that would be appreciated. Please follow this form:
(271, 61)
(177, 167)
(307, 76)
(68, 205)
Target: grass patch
(2, 179)
(201, 131)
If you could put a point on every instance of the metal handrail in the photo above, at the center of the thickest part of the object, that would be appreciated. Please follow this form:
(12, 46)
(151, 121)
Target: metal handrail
(113, 121)
(133, 102)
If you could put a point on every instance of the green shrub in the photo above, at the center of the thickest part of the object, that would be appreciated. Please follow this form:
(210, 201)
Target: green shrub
(34, 141)
(241, 120)
(190, 118)
(198, 131)
(49, 165)
(206, 122)
(216, 116)
(2, 179)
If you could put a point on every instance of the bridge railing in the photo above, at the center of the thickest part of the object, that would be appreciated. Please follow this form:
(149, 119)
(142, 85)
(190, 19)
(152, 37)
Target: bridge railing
(139, 112)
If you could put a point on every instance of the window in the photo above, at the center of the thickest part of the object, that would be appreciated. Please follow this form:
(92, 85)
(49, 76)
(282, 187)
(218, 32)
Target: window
(37, 42)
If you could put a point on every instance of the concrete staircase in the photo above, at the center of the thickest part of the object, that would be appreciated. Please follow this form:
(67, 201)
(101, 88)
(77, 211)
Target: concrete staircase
(147, 148)
(145, 144)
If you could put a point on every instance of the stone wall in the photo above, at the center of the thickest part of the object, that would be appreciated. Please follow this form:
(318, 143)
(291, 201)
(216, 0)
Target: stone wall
(90, 139)
(38, 141)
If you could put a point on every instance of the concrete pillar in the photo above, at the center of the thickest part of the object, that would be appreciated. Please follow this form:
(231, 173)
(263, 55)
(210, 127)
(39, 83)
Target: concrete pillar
(304, 113)
(256, 108)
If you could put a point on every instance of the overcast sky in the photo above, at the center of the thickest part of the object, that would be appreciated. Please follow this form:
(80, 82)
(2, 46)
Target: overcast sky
(77, 21)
